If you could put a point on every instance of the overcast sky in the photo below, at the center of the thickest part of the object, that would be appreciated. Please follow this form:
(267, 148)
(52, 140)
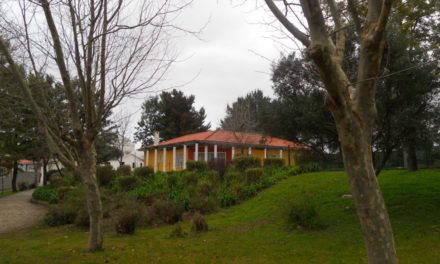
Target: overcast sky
(223, 65)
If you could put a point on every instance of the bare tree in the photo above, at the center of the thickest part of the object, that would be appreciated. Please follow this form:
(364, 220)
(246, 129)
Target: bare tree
(352, 103)
(122, 121)
(104, 51)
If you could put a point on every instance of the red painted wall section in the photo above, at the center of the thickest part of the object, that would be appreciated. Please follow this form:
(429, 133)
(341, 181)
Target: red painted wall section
(191, 151)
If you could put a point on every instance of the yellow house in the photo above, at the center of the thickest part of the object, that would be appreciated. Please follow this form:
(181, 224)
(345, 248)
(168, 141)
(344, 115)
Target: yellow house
(172, 155)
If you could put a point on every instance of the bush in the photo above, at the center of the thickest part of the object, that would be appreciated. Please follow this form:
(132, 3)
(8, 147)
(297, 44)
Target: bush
(310, 167)
(104, 174)
(254, 175)
(238, 189)
(172, 180)
(226, 198)
(22, 186)
(60, 215)
(273, 162)
(82, 218)
(198, 223)
(205, 188)
(63, 191)
(199, 165)
(294, 171)
(232, 176)
(167, 211)
(244, 163)
(46, 194)
(190, 179)
(126, 222)
(218, 165)
(144, 172)
(127, 183)
(124, 170)
(32, 186)
(57, 181)
(303, 213)
(202, 204)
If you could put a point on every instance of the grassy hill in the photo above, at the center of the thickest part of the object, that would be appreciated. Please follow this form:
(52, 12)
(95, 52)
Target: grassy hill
(256, 231)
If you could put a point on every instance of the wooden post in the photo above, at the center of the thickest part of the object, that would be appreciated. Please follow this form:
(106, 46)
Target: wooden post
(206, 153)
(184, 157)
(215, 151)
(164, 165)
(147, 160)
(233, 152)
(155, 160)
(196, 152)
(174, 158)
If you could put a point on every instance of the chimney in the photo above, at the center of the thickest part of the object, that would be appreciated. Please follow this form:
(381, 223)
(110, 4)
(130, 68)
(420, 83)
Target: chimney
(156, 138)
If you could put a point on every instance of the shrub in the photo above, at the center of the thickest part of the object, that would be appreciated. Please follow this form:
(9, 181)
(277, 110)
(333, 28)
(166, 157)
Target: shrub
(219, 165)
(172, 180)
(32, 186)
(226, 198)
(198, 223)
(57, 181)
(46, 194)
(273, 162)
(294, 171)
(127, 183)
(167, 211)
(199, 165)
(60, 215)
(232, 176)
(212, 175)
(104, 174)
(244, 163)
(82, 218)
(126, 222)
(22, 186)
(124, 170)
(238, 189)
(63, 191)
(310, 167)
(190, 178)
(202, 204)
(177, 232)
(205, 188)
(303, 213)
(144, 172)
(254, 175)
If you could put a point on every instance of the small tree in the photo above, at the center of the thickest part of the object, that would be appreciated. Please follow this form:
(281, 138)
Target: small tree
(352, 103)
(172, 114)
(104, 51)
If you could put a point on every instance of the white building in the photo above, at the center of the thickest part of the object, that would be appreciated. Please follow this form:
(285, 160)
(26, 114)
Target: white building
(131, 156)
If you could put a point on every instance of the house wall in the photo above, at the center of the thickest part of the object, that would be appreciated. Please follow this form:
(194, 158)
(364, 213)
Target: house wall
(239, 151)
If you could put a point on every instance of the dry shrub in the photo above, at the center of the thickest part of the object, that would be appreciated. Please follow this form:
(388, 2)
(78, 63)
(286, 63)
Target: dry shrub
(104, 174)
(198, 223)
(166, 211)
(126, 222)
(177, 232)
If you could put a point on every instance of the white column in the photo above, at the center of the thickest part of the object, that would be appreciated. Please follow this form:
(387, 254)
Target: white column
(265, 153)
(215, 151)
(196, 152)
(147, 162)
(155, 160)
(174, 158)
(233, 152)
(184, 157)
(281, 153)
(206, 153)
(250, 151)
(164, 165)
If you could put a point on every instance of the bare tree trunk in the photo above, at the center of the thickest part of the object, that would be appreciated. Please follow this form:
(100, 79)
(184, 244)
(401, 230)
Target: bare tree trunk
(14, 176)
(45, 161)
(370, 206)
(87, 171)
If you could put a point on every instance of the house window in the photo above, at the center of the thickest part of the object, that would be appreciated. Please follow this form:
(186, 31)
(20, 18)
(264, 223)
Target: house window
(133, 165)
(179, 160)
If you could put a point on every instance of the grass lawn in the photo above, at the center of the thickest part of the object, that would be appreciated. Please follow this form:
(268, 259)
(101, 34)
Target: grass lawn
(4, 194)
(256, 230)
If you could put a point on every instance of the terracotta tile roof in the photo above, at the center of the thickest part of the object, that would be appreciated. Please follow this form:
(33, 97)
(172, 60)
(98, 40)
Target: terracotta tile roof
(229, 137)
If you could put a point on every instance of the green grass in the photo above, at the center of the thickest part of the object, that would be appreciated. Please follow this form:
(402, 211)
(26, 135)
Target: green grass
(256, 230)
(4, 194)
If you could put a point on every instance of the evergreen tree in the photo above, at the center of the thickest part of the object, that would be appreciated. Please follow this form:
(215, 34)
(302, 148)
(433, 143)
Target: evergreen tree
(172, 114)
